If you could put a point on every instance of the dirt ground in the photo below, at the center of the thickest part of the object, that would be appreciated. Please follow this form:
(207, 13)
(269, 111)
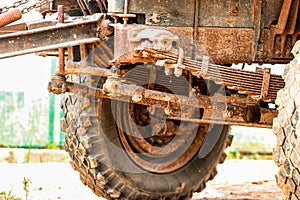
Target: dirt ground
(243, 180)
(236, 180)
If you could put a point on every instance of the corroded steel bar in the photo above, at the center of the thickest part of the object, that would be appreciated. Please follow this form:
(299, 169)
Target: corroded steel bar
(225, 122)
(77, 68)
(61, 61)
(10, 16)
(61, 51)
(53, 37)
(61, 14)
(215, 107)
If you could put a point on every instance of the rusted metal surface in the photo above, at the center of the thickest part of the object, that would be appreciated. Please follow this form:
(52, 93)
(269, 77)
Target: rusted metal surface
(259, 85)
(215, 107)
(228, 32)
(13, 28)
(163, 140)
(61, 13)
(10, 16)
(281, 37)
(69, 5)
(265, 84)
(28, 26)
(231, 31)
(227, 45)
(196, 26)
(61, 51)
(221, 44)
(232, 13)
(90, 7)
(283, 17)
(40, 39)
(61, 61)
(57, 85)
(80, 68)
(175, 13)
(258, 21)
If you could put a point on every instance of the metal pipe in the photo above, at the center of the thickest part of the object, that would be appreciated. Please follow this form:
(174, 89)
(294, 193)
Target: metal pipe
(125, 18)
(10, 17)
(51, 4)
(61, 14)
(61, 61)
(126, 7)
(61, 51)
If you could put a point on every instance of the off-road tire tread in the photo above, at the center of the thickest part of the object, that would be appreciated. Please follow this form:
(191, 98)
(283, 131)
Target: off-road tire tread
(286, 127)
(83, 145)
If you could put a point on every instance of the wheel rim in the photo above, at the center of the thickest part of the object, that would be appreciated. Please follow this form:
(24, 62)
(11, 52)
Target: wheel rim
(157, 150)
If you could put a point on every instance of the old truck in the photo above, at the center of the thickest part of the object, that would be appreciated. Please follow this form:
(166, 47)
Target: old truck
(150, 92)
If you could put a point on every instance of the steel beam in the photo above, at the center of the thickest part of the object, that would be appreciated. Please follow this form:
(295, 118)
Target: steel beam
(58, 36)
(216, 108)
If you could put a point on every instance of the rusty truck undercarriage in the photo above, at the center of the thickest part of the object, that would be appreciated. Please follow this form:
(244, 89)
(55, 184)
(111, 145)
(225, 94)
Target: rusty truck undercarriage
(168, 65)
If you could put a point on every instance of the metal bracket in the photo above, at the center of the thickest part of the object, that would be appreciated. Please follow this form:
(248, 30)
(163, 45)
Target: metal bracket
(205, 65)
(179, 66)
(57, 85)
(265, 84)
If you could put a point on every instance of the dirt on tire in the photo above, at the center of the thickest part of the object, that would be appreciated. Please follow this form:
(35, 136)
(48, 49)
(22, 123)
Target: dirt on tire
(286, 127)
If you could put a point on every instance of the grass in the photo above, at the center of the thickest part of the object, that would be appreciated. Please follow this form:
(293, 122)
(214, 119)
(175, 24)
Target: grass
(7, 195)
(33, 155)
(252, 156)
(251, 143)
(26, 184)
(254, 151)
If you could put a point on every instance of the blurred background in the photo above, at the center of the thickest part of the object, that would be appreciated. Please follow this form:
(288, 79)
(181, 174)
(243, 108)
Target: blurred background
(29, 115)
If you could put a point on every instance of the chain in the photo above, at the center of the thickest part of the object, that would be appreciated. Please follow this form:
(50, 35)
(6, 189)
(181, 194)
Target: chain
(15, 5)
(22, 2)
(38, 4)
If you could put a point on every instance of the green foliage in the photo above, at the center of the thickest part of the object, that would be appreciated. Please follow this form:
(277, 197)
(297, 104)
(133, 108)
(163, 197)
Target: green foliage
(7, 195)
(28, 154)
(251, 143)
(252, 155)
(51, 145)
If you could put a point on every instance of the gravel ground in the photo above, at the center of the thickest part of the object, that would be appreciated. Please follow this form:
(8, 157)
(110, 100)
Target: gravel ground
(237, 179)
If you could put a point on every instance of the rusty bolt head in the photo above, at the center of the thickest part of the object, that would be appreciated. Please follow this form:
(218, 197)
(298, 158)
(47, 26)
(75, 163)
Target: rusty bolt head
(106, 28)
(137, 98)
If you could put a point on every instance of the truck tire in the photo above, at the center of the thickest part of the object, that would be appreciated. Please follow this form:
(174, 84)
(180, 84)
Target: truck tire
(286, 127)
(97, 150)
